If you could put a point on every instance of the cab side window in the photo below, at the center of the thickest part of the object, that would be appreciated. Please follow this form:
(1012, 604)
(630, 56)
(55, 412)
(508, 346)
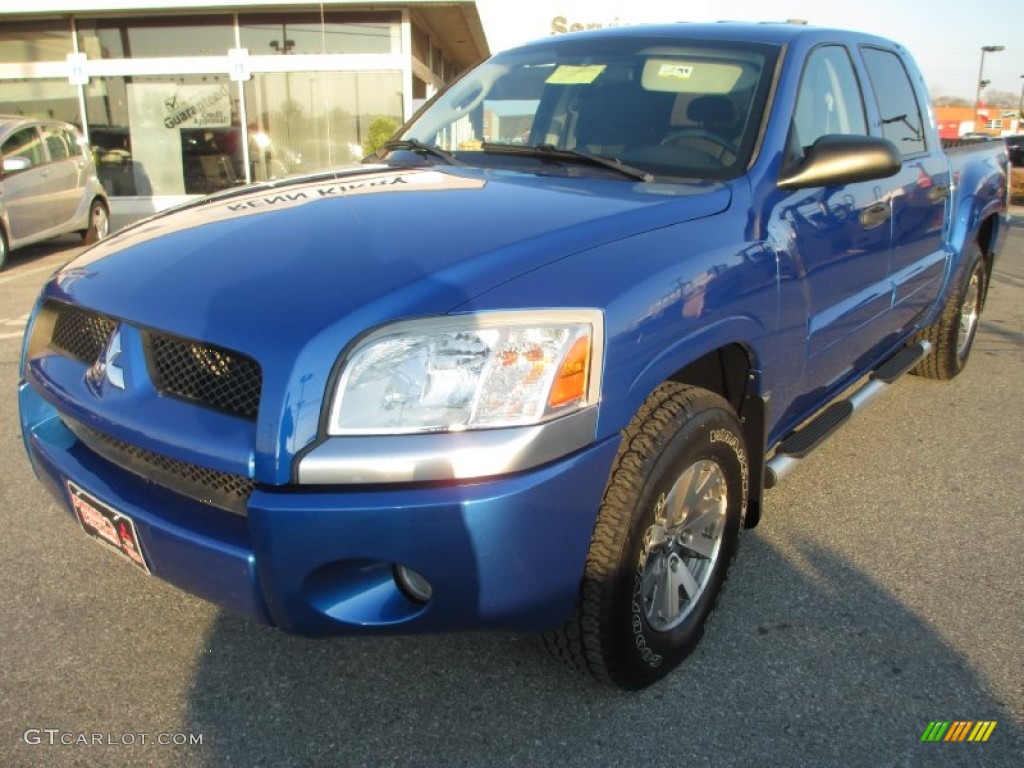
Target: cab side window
(901, 114)
(24, 143)
(828, 102)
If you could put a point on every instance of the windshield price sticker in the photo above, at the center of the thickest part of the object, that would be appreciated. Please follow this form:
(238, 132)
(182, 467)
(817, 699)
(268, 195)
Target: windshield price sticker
(570, 74)
(676, 71)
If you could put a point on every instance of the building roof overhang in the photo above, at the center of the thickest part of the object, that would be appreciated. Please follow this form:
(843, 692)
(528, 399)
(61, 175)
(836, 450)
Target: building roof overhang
(455, 24)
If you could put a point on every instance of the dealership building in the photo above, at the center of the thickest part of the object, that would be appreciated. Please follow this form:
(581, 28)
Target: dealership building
(183, 98)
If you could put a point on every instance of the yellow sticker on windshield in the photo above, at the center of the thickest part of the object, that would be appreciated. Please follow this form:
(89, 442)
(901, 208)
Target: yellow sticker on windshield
(571, 74)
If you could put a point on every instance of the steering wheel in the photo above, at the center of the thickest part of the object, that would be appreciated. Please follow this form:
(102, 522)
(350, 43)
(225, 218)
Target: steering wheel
(701, 133)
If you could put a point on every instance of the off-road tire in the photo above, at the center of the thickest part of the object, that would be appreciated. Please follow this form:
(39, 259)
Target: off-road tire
(949, 350)
(610, 635)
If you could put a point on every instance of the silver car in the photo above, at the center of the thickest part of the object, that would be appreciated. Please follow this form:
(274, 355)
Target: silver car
(48, 185)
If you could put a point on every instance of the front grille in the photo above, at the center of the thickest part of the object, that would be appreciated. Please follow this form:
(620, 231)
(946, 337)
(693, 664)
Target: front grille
(80, 333)
(210, 376)
(215, 377)
(210, 486)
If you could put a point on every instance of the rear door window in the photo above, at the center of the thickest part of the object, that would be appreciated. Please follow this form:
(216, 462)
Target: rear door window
(73, 142)
(902, 123)
(56, 143)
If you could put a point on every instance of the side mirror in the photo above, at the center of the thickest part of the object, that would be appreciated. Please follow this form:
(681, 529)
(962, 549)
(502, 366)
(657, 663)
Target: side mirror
(16, 163)
(835, 159)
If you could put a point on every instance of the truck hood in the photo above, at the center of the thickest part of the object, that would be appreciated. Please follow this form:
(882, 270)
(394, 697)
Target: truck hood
(291, 273)
(288, 260)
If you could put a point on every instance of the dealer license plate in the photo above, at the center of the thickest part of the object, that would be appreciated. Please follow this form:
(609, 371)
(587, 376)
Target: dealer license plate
(108, 526)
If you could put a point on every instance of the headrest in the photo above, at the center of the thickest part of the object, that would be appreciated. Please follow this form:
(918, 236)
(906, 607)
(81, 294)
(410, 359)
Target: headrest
(710, 109)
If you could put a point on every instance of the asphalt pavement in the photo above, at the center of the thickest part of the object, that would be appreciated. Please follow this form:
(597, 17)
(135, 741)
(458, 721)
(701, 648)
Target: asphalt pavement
(884, 590)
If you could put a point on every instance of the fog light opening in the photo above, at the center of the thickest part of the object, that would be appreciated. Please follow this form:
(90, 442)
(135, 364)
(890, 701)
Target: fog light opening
(412, 584)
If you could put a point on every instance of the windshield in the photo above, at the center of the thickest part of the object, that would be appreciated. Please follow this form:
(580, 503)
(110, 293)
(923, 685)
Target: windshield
(670, 107)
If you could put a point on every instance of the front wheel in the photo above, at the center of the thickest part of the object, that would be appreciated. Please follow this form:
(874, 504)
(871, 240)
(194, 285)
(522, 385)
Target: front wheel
(665, 536)
(4, 250)
(99, 223)
(953, 333)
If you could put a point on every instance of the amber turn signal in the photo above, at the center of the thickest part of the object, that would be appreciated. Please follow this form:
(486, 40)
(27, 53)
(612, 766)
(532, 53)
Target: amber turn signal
(570, 382)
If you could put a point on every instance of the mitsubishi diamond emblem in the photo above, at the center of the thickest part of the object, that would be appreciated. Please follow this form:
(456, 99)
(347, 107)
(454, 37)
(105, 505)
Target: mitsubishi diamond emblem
(106, 366)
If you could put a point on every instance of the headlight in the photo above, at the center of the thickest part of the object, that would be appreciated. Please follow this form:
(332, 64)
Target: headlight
(498, 369)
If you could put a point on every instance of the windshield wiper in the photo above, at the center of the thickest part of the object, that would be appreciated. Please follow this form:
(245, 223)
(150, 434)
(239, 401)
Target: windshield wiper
(415, 145)
(572, 156)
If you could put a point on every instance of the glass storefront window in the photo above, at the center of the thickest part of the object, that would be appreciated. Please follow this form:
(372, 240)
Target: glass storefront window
(171, 135)
(165, 135)
(24, 42)
(155, 37)
(44, 99)
(300, 33)
(308, 121)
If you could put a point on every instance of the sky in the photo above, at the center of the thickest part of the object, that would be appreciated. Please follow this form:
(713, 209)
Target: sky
(944, 36)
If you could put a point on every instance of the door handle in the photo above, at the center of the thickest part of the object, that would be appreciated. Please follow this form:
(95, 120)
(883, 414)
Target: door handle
(938, 192)
(875, 215)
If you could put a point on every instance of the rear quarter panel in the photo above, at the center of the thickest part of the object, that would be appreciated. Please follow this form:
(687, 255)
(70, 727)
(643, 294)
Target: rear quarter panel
(981, 178)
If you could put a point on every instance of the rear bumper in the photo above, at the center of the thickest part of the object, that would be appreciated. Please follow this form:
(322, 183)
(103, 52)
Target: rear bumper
(504, 553)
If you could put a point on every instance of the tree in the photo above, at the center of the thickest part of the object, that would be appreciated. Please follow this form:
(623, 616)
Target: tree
(951, 101)
(1003, 99)
(380, 130)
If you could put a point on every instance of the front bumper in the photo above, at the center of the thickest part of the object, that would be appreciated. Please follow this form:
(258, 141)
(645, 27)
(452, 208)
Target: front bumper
(501, 553)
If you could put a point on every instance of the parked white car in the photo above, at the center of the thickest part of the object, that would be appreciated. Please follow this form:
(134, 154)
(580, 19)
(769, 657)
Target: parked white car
(48, 185)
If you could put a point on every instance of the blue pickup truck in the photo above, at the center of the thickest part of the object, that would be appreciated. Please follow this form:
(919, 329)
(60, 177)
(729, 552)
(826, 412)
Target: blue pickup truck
(533, 365)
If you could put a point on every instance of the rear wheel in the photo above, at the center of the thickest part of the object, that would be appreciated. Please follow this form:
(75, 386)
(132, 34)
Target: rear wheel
(4, 250)
(666, 533)
(99, 222)
(952, 335)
